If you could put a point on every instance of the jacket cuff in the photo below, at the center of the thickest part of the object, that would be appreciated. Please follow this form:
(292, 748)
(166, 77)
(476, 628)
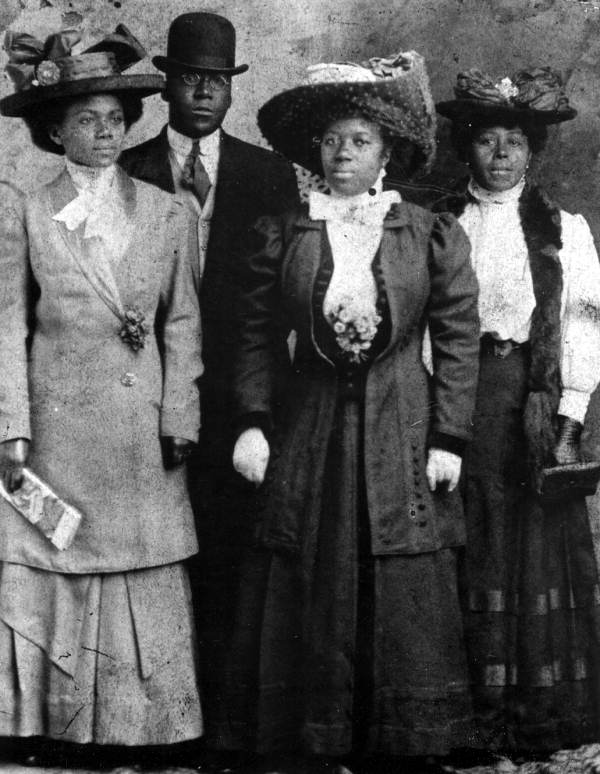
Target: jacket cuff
(177, 424)
(13, 427)
(260, 419)
(449, 443)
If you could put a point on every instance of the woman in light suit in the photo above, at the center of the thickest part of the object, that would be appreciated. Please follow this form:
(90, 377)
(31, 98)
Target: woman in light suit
(100, 346)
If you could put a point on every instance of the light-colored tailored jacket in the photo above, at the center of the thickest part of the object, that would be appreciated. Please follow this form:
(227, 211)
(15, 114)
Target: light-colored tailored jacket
(93, 408)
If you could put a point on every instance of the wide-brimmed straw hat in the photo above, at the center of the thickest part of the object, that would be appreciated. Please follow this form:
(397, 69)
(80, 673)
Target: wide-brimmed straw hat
(528, 97)
(200, 41)
(392, 92)
(46, 71)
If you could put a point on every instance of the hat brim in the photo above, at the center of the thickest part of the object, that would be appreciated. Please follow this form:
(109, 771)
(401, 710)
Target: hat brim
(292, 121)
(166, 64)
(16, 105)
(467, 111)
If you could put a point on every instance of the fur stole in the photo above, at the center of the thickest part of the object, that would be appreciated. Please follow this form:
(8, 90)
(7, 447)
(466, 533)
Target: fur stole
(540, 219)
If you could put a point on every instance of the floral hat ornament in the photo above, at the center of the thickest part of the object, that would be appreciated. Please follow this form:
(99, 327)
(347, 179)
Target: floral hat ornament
(535, 96)
(393, 92)
(43, 71)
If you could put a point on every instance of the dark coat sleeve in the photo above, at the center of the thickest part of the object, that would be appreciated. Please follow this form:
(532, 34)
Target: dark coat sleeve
(454, 329)
(259, 316)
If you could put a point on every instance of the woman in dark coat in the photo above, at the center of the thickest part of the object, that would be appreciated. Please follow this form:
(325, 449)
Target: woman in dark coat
(100, 353)
(531, 588)
(349, 637)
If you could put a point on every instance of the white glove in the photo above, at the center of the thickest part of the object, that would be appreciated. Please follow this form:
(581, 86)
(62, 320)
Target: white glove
(443, 466)
(251, 455)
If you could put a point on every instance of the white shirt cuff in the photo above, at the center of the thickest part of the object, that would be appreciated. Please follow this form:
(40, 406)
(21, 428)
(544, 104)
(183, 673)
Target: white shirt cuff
(573, 404)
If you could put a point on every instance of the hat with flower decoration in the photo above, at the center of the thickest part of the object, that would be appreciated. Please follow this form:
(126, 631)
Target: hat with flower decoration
(44, 71)
(392, 92)
(530, 96)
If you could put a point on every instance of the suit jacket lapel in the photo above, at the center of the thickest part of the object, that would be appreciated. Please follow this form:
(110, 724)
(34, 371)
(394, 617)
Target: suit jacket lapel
(91, 261)
(228, 178)
(155, 167)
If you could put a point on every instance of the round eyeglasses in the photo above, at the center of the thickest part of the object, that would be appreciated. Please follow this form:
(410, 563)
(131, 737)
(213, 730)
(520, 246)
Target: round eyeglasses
(212, 81)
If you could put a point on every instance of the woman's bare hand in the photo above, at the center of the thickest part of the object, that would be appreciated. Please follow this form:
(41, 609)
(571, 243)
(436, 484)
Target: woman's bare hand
(13, 458)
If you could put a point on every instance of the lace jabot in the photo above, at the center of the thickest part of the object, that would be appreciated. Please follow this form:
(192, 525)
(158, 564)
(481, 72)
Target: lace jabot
(98, 205)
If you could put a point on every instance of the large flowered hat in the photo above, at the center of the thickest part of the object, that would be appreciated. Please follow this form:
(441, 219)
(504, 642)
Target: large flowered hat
(42, 71)
(530, 96)
(393, 92)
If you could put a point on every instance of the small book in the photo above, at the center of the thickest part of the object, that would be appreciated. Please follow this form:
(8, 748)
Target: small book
(56, 520)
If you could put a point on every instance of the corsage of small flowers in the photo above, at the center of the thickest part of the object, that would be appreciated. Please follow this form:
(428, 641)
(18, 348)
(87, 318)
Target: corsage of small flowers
(354, 327)
(133, 331)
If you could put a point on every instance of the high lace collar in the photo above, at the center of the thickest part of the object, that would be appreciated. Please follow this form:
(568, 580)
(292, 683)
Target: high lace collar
(367, 208)
(94, 180)
(496, 197)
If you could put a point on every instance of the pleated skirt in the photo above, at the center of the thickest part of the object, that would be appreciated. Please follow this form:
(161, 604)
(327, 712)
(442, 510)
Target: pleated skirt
(105, 659)
(530, 596)
(337, 651)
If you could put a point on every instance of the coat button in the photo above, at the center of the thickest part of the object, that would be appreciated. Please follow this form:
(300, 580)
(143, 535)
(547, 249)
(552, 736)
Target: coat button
(128, 379)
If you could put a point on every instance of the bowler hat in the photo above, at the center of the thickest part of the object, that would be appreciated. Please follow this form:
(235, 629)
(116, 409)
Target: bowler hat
(200, 41)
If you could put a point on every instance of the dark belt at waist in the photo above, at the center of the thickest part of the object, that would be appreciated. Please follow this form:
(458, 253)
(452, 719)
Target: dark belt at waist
(499, 347)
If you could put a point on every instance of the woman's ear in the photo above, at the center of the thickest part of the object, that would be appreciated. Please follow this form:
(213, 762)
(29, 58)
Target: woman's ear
(386, 155)
(54, 134)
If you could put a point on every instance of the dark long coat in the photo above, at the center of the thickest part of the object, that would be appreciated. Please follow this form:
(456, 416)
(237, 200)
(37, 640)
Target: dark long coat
(427, 276)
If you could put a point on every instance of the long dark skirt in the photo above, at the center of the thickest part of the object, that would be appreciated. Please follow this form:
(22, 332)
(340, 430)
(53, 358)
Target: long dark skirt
(531, 596)
(339, 652)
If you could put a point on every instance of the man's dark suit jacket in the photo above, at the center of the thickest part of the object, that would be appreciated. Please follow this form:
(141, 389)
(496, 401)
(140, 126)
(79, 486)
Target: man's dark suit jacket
(251, 182)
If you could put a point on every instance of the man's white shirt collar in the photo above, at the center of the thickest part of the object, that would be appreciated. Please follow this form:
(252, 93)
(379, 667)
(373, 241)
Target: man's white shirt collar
(181, 145)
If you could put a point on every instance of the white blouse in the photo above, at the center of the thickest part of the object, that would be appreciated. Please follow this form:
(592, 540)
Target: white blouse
(506, 300)
(354, 228)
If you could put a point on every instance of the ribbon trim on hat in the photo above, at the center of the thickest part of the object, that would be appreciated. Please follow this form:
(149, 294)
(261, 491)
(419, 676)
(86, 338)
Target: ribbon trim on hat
(538, 89)
(30, 62)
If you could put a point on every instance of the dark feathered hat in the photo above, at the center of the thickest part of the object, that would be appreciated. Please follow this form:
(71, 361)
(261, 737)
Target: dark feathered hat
(46, 71)
(529, 96)
(392, 92)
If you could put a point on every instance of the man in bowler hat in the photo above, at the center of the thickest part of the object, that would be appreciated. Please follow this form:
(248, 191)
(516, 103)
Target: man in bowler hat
(230, 184)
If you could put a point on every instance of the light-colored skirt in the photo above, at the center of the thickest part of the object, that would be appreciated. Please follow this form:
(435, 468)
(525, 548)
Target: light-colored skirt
(107, 658)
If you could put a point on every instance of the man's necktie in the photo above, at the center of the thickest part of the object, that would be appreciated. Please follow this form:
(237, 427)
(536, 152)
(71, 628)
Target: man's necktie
(194, 176)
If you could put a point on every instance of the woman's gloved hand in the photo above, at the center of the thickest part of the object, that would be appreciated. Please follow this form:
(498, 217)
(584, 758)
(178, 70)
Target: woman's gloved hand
(443, 467)
(566, 451)
(175, 450)
(251, 455)
(13, 458)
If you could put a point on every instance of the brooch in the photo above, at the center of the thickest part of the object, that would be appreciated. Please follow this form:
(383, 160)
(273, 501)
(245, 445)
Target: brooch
(133, 330)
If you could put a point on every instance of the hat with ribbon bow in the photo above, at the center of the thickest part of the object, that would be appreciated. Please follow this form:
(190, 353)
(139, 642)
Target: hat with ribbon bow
(533, 96)
(44, 71)
(392, 92)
